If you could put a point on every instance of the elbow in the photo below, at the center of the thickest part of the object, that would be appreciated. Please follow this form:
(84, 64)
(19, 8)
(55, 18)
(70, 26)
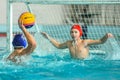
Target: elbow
(33, 45)
(102, 41)
(57, 46)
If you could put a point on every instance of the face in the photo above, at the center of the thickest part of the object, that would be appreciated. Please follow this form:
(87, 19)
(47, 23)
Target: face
(75, 34)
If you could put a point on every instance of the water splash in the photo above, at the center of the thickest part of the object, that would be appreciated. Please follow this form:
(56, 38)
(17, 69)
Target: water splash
(113, 49)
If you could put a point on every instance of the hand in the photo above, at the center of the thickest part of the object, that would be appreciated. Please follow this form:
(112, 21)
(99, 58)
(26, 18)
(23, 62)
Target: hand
(20, 23)
(109, 35)
(45, 35)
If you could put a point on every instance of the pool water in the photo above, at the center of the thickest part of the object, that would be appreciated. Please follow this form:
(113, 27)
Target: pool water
(59, 66)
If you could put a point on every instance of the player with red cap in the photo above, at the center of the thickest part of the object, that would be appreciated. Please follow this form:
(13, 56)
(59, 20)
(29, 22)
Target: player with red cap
(79, 48)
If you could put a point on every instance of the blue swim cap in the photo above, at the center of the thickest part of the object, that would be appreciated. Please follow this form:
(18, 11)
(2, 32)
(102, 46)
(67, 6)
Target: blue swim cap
(19, 41)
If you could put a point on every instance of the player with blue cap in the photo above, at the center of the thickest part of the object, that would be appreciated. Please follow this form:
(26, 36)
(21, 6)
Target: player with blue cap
(24, 44)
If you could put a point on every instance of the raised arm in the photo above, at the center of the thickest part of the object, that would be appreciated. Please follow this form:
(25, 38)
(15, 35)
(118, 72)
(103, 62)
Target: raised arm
(100, 41)
(30, 39)
(54, 42)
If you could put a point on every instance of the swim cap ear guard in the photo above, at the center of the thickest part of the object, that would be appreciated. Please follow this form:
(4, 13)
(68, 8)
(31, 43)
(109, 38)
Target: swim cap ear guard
(19, 41)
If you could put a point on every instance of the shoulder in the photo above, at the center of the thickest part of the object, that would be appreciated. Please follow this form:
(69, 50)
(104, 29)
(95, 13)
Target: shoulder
(20, 52)
(16, 52)
(66, 43)
(69, 41)
(86, 41)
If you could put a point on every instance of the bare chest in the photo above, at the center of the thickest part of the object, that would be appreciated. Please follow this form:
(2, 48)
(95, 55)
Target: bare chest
(78, 51)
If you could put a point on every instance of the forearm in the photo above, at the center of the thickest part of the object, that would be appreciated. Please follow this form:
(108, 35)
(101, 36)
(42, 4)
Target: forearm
(104, 39)
(54, 42)
(28, 36)
(12, 57)
(100, 41)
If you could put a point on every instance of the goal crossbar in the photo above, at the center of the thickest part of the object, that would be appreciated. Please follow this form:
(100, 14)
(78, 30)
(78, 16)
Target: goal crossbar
(67, 1)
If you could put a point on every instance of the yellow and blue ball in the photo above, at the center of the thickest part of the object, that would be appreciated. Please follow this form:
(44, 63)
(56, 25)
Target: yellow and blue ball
(28, 19)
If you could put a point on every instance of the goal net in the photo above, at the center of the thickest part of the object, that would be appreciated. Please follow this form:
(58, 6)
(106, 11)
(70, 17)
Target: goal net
(97, 17)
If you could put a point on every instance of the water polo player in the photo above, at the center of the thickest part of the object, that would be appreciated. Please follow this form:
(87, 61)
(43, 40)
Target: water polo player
(23, 44)
(79, 48)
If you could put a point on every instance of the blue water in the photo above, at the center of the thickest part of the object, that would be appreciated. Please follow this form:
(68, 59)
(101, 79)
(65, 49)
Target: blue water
(59, 66)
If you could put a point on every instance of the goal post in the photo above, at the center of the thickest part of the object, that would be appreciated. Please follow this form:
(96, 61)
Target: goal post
(56, 17)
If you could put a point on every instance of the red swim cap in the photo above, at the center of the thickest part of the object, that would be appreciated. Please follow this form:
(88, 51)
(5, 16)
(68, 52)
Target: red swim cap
(78, 27)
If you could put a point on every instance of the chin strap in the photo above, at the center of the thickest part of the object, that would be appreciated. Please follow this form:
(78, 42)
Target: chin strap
(74, 43)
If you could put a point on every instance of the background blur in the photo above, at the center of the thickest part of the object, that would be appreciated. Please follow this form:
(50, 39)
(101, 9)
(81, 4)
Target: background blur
(2, 11)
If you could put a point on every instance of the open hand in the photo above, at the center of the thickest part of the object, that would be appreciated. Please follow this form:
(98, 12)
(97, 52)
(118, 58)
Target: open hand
(109, 35)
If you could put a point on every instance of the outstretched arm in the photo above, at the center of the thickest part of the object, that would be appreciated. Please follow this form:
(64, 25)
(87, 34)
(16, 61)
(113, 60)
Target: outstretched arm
(54, 42)
(100, 41)
(30, 39)
(104, 38)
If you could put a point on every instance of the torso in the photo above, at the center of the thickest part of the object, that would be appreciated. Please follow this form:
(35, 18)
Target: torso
(79, 51)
